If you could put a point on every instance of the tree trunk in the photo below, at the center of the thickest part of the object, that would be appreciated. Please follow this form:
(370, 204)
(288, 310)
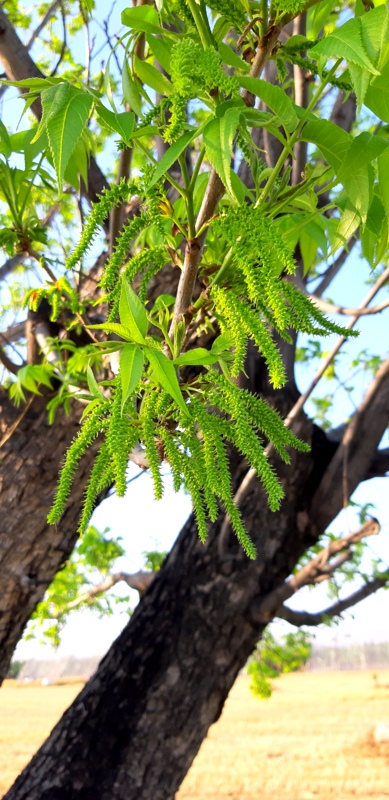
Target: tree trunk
(137, 725)
(31, 551)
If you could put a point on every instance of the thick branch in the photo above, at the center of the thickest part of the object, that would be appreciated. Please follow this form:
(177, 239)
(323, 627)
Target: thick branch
(299, 618)
(14, 332)
(11, 264)
(301, 98)
(140, 581)
(379, 466)
(7, 363)
(318, 569)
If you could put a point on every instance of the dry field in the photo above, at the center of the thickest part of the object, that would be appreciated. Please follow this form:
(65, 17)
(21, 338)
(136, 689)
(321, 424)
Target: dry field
(309, 742)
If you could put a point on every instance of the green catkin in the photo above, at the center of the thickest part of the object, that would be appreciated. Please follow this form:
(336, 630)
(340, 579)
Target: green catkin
(305, 309)
(211, 504)
(92, 489)
(230, 10)
(116, 194)
(192, 444)
(242, 318)
(290, 7)
(173, 456)
(239, 528)
(224, 489)
(163, 404)
(149, 440)
(157, 260)
(142, 260)
(66, 286)
(198, 504)
(91, 427)
(194, 69)
(121, 251)
(267, 420)
(55, 306)
(121, 437)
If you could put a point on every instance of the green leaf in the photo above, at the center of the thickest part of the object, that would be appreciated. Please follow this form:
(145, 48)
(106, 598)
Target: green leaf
(383, 175)
(360, 80)
(165, 373)
(161, 49)
(152, 77)
(163, 301)
(92, 384)
(123, 123)
(330, 139)
(131, 368)
(347, 225)
(65, 115)
(78, 165)
(318, 16)
(132, 312)
(363, 149)
(377, 95)
(231, 58)
(346, 42)
(142, 18)
(130, 87)
(222, 343)
(199, 356)
(218, 138)
(5, 142)
(145, 130)
(375, 32)
(113, 327)
(259, 119)
(275, 98)
(35, 84)
(172, 154)
(375, 217)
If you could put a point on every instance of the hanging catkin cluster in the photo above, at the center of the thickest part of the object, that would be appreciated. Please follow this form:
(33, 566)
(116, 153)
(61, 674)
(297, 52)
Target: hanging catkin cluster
(194, 69)
(259, 295)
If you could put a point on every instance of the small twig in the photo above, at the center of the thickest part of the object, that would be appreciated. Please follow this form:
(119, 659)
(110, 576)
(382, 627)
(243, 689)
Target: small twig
(42, 263)
(300, 618)
(318, 569)
(8, 364)
(140, 581)
(64, 43)
(331, 308)
(48, 16)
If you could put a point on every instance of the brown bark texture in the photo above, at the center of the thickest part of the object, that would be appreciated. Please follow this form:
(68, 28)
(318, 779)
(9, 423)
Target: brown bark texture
(31, 551)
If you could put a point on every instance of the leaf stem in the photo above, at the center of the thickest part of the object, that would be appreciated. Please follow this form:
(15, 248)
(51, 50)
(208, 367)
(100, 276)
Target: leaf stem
(293, 139)
(201, 25)
(154, 161)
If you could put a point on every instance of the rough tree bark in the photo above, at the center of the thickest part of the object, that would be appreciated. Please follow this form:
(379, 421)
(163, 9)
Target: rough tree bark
(31, 551)
(137, 725)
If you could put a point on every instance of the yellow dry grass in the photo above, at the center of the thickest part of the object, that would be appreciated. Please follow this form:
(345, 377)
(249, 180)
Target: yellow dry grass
(311, 741)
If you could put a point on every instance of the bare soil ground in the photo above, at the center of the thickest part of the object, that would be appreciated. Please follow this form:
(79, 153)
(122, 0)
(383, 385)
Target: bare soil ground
(311, 741)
